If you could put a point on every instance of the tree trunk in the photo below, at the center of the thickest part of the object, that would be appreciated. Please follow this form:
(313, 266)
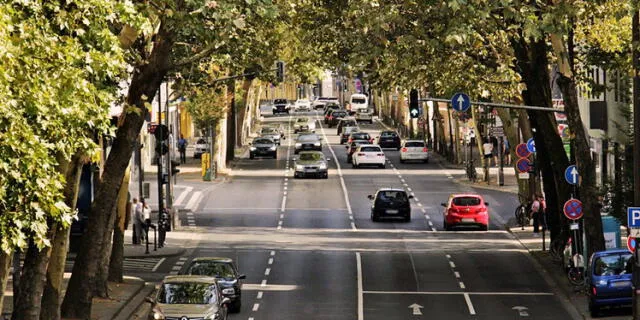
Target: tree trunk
(144, 83)
(34, 271)
(231, 121)
(52, 296)
(102, 284)
(242, 111)
(116, 260)
(5, 268)
(532, 62)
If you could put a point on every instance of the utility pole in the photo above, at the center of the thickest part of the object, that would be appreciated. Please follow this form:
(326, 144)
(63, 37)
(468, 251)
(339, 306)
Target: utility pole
(635, 31)
(159, 154)
(169, 146)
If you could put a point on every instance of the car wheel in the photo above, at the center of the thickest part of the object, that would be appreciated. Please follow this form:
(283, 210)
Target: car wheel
(384, 165)
(407, 218)
(398, 148)
(370, 121)
(594, 310)
(325, 176)
(251, 156)
(235, 306)
(295, 152)
(446, 226)
(354, 165)
(349, 160)
(402, 160)
(374, 217)
(426, 160)
(275, 156)
(295, 175)
(484, 228)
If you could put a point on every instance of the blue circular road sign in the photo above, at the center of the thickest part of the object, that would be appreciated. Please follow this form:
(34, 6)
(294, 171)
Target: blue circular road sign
(523, 165)
(571, 174)
(573, 209)
(460, 102)
(531, 145)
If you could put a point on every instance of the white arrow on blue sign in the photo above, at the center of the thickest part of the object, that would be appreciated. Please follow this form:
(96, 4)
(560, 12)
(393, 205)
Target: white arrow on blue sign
(531, 145)
(460, 102)
(633, 217)
(571, 174)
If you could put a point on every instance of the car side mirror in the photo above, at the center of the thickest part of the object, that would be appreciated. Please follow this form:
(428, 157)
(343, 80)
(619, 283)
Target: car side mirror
(242, 276)
(443, 204)
(486, 203)
(370, 197)
(226, 300)
(150, 300)
(410, 197)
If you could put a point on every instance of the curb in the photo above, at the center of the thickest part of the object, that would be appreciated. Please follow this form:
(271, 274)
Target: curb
(168, 255)
(127, 310)
(480, 186)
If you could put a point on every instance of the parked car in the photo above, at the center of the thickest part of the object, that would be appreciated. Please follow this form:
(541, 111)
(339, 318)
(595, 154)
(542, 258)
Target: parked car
(414, 150)
(609, 277)
(390, 203)
(280, 106)
(311, 164)
(389, 139)
(346, 122)
(335, 116)
(307, 141)
(465, 210)
(201, 147)
(226, 274)
(369, 154)
(189, 297)
(361, 136)
(271, 133)
(346, 132)
(352, 146)
(304, 124)
(364, 115)
(263, 147)
(302, 105)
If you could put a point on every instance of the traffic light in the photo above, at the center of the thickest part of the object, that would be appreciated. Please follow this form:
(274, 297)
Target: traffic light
(414, 104)
(174, 170)
(280, 71)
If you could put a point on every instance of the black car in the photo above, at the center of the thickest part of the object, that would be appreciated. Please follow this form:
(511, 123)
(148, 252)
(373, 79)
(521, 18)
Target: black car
(335, 116)
(327, 113)
(308, 141)
(331, 106)
(389, 139)
(391, 203)
(280, 106)
(226, 274)
(263, 147)
(361, 136)
(346, 133)
(346, 122)
(352, 146)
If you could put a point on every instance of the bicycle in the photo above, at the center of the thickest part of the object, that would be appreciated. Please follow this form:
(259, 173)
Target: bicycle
(521, 213)
(557, 249)
(576, 270)
(472, 175)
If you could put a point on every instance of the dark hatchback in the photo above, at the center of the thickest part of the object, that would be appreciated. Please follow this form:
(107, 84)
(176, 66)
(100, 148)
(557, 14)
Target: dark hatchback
(263, 147)
(335, 116)
(610, 280)
(226, 274)
(389, 139)
(352, 146)
(391, 203)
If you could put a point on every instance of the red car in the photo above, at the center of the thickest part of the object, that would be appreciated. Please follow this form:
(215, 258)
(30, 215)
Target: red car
(465, 210)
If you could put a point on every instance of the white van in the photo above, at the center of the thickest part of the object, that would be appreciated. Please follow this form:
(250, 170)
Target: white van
(358, 101)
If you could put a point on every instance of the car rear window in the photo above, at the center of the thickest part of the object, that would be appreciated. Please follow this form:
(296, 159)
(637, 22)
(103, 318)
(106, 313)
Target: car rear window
(388, 134)
(358, 100)
(350, 129)
(466, 201)
(414, 144)
(361, 135)
(371, 149)
(310, 156)
(613, 264)
(339, 114)
(262, 141)
(302, 120)
(268, 130)
(392, 196)
(308, 137)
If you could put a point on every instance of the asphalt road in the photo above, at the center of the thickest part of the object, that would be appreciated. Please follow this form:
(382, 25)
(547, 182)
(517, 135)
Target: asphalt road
(310, 250)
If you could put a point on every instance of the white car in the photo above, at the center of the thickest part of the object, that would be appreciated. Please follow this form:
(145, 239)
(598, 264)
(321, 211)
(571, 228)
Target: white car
(414, 150)
(302, 105)
(358, 101)
(304, 124)
(368, 154)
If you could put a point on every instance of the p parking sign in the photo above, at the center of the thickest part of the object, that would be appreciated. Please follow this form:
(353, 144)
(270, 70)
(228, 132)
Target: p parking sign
(633, 217)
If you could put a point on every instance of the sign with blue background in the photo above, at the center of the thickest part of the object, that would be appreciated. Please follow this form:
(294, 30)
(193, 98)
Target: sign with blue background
(460, 102)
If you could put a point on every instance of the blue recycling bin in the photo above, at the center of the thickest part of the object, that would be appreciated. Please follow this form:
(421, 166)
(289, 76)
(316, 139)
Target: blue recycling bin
(611, 230)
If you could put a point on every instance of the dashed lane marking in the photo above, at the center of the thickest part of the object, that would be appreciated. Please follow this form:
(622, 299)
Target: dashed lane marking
(267, 271)
(270, 261)
(453, 265)
(256, 306)
(259, 296)
(263, 283)
(462, 285)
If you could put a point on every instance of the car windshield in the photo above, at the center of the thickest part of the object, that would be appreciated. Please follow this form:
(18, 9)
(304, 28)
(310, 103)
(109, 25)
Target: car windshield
(466, 201)
(613, 264)
(262, 141)
(310, 156)
(212, 269)
(371, 149)
(414, 144)
(339, 114)
(361, 135)
(388, 134)
(187, 293)
(358, 100)
(392, 196)
(268, 130)
(280, 101)
(308, 137)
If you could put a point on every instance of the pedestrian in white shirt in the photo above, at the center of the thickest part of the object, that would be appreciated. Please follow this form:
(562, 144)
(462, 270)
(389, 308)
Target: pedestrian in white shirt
(487, 149)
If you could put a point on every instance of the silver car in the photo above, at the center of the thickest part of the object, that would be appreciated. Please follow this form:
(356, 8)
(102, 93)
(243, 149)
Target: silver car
(189, 297)
(311, 164)
(271, 133)
(304, 124)
(308, 141)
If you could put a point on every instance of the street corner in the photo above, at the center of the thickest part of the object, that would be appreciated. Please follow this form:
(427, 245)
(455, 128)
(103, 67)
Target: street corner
(140, 251)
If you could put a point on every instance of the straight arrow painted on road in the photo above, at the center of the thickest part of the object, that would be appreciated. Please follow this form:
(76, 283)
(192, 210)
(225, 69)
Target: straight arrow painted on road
(416, 309)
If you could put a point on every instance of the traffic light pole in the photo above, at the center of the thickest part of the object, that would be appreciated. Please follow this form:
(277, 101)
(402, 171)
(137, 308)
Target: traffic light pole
(169, 194)
(159, 154)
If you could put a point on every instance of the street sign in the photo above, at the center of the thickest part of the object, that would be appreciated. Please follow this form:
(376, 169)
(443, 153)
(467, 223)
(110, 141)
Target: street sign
(631, 244)
(523, 165)
(460, 102)
(523, 175)
(522, 151)
(571, 174)
(414, 113)
(574, 226)
(531, 145)
(496, 131)
(633, 217)
(573, 209)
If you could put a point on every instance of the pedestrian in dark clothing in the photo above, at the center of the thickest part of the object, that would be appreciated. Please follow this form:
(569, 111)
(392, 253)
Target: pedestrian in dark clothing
(537, 213)
(182, 148)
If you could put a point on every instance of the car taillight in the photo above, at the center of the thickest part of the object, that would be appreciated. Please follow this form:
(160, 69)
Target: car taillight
(360, 154)
(424, 149)
(594, 291)
(404, 149)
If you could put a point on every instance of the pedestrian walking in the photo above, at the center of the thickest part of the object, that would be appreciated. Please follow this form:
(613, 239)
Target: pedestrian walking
(506, 152)
(536, 213)
(182, 148)
(146, 218)
(487, 149)
(494, 151)
(138, 222)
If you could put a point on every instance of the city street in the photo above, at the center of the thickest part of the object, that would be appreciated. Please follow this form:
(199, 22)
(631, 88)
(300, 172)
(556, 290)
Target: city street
(310, 250)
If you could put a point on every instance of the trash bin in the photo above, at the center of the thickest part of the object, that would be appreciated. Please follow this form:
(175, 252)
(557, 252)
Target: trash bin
(611, 230)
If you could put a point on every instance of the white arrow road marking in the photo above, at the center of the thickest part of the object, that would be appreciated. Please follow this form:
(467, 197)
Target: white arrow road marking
(522, 311)
(416, 309)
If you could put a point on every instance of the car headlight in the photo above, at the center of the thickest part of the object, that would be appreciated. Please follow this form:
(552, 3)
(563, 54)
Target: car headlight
(252, 148)
(299, 167)
(323, 166)
(298, 144)
(158, 315)
(228, 291)
(317, 144)
(273, 148)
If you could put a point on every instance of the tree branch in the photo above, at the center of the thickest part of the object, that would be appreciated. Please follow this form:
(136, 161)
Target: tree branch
(200, 55)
